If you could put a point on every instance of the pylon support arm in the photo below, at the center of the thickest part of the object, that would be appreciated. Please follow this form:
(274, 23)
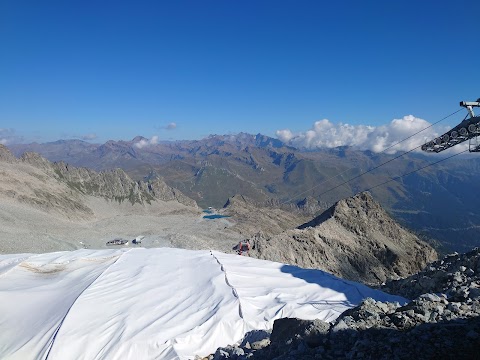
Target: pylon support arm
(470, 105)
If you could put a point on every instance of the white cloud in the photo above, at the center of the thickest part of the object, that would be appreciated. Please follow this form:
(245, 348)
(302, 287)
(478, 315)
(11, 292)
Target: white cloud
(145, 142)
(91, 136)
(171, 126)
(7, 136)
(325, 134)
(285, 135)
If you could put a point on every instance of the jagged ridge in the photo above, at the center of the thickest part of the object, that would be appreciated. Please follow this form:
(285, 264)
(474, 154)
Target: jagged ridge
(113, 184)
(355, 239)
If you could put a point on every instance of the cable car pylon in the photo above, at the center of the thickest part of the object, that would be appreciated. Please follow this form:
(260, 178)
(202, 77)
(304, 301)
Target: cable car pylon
(468, 129)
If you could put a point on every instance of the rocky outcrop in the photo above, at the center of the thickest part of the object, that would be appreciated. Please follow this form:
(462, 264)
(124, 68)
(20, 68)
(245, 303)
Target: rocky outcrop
(445, 325)
(111, 184)
(456, 275)
(6, 155)
(60, 189)
(36, 160)
(36, 187)
(354, 239)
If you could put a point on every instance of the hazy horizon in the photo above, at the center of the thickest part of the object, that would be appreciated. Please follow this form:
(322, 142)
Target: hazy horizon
(184, 70)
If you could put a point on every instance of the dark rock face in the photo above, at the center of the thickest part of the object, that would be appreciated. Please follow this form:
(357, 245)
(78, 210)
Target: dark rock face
(355, 239)
(445, 325)
(288, 333)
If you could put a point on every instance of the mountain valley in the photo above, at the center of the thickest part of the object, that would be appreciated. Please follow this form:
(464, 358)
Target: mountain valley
(438, 202)
(54, 206)
(50, 206)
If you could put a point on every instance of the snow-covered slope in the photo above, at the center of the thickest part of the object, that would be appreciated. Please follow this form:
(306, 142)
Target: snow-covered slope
(154, 303)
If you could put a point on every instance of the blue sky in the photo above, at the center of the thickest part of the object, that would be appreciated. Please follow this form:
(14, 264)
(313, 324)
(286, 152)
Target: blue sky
(116, 69)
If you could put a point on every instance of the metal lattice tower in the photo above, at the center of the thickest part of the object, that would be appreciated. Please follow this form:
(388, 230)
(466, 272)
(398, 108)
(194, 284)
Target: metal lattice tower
(468, 129)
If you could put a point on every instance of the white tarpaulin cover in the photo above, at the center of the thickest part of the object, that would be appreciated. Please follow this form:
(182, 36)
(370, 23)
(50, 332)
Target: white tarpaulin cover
(154, 303)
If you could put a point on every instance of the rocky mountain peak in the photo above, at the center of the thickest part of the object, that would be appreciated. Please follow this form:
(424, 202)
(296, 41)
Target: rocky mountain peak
(114, 184)
(266, 141)
(360, 213)
(361, 206)
(6, 155)
(36, 160)
(361, 203)
(138, 138)
(354, 239)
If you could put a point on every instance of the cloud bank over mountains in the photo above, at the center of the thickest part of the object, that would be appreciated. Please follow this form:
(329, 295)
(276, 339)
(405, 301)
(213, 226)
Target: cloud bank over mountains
(325, 134)
(145, 142)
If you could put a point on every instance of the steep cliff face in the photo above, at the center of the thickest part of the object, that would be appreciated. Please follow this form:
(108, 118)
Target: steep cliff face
(354, 239)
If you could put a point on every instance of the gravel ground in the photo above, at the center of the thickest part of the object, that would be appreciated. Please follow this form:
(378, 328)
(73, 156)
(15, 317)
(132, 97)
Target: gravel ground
(164, 224)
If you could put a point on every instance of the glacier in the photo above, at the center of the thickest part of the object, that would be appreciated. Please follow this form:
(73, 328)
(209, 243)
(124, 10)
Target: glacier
(161, 303)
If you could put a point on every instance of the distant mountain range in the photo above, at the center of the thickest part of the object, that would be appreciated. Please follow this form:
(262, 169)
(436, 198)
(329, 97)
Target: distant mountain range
(437, 202)
(52, 206)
